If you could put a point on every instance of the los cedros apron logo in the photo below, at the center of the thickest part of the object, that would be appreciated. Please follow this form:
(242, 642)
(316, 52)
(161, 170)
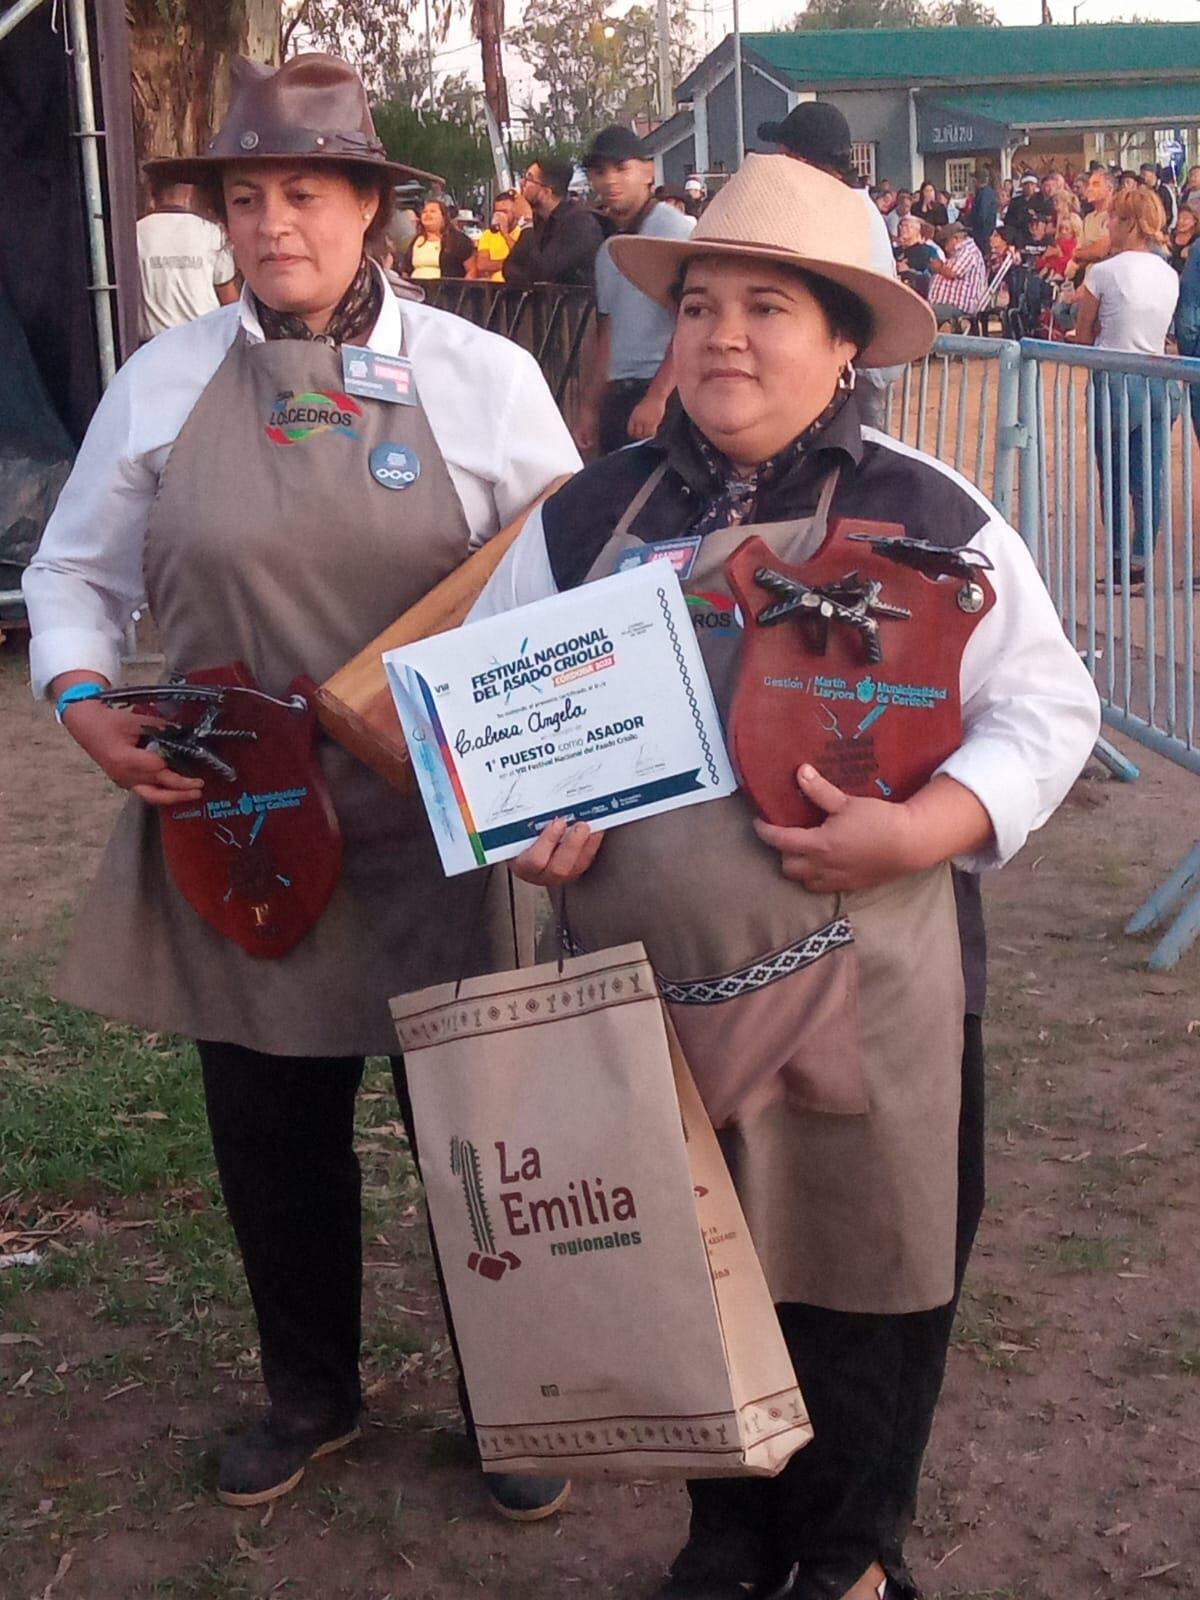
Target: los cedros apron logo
(584, 1206)
(296, 417)
(712, 612)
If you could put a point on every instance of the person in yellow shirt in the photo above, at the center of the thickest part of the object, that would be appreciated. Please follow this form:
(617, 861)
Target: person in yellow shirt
(496, 242)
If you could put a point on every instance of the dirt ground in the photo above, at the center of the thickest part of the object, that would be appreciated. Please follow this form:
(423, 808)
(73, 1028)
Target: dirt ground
(1066, 1455)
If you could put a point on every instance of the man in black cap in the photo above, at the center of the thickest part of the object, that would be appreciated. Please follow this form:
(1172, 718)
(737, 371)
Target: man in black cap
(632, 377)
(819, 134)
(1025, 205)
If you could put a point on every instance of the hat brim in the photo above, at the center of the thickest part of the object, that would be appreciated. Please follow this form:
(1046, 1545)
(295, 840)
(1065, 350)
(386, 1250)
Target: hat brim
(194, 169)
(904, 326)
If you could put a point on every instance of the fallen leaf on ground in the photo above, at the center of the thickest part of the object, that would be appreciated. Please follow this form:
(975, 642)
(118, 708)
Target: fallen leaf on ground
(64, 1566)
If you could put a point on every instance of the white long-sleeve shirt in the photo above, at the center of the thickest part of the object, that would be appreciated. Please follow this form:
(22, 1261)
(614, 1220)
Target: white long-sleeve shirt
(494, 419)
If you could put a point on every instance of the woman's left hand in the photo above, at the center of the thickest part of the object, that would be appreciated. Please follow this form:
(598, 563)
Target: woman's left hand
(561, 854)
(860, 843)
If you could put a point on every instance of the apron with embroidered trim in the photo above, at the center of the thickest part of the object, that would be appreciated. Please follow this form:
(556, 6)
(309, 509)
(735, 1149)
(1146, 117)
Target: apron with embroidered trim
(274, 541)
(824, 1031)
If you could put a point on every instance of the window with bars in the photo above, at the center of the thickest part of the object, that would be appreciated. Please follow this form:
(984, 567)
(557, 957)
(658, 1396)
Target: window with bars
(959, 172)
(862, 159)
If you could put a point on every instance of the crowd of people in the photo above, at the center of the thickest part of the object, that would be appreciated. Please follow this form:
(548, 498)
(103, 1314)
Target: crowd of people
(1037, 235)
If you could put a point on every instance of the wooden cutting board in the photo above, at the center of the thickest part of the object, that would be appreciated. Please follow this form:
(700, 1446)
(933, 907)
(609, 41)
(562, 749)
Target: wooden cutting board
(355, 705)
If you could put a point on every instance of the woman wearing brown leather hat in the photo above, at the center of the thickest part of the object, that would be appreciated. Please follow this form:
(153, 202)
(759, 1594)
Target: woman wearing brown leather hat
(817, 975)
(244, 474)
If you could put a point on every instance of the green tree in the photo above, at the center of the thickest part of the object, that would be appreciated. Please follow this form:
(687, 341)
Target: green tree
(594, 68)
(860, 14)
(962, 14)
(455, 149)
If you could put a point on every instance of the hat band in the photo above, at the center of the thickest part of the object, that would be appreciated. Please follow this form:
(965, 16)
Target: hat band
(299, 142)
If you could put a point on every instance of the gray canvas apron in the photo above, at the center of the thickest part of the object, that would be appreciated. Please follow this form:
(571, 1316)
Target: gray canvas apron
(289, 557)
(825, 1032)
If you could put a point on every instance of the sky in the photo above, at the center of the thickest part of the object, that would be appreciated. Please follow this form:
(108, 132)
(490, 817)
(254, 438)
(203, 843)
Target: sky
(459, 53)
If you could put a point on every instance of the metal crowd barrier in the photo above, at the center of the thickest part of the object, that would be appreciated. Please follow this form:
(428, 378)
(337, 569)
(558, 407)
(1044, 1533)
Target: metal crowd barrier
(552, 321)
(1109, 476)
(961, 404)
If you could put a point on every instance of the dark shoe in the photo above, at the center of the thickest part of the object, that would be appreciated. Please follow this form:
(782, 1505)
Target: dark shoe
(724, 1589)
(687, 1581)
(269, 1459)
(1137, 578)
(523, 1499)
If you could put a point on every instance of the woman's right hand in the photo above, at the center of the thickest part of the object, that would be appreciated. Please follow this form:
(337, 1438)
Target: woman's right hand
(561, 854)
(110, 736)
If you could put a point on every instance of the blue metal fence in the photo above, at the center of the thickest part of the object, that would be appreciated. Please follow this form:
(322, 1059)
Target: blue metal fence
(1090, 454)
(1107, 506)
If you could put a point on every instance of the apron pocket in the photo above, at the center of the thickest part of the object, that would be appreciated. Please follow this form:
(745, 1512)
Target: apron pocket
(783, 1028)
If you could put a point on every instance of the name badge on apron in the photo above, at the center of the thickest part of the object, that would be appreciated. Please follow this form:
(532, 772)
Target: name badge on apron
(378, 377)
(681, 553)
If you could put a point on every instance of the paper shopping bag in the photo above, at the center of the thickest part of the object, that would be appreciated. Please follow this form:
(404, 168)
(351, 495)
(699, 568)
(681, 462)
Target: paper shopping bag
(611, 1313)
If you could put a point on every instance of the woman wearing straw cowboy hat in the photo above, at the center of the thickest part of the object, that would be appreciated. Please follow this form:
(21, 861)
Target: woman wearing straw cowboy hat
(816, 975)
(237, 475)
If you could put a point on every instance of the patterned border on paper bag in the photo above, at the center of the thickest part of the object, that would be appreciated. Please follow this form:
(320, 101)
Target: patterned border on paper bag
(511, 1007)
(715, 1434)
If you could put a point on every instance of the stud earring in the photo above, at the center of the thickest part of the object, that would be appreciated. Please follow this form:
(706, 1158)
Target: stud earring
(847, 378)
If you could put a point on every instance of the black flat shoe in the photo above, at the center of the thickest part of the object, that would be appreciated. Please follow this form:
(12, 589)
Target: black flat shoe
(525, 1499)
(717, 1586)
(269, 1459)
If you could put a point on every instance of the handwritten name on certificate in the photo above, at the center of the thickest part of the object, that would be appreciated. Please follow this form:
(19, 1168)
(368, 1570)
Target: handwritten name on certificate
(593, 705)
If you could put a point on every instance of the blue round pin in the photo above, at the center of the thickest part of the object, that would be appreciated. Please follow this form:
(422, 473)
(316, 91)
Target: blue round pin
(395, 466)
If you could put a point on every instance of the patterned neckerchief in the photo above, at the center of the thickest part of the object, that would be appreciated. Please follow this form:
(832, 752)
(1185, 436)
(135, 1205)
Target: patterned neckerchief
(356, 313)
(735, 497)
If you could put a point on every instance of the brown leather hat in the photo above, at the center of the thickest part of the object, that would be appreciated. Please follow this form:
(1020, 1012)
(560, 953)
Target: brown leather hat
(313, 107)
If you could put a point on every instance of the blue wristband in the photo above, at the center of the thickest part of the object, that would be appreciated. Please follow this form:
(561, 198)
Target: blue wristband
(77, 691)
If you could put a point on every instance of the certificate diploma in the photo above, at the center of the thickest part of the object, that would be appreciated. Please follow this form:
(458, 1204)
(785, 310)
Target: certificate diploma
(593, 705)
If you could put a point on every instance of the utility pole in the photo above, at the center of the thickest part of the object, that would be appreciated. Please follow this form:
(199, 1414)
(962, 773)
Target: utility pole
(738, 108)
(666, 89)
(429, 59)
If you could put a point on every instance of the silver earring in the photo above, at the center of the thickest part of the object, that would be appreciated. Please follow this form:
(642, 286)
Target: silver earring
(847, 378)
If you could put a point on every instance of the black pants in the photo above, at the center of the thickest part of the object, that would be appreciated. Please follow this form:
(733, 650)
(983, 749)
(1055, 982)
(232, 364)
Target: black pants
(283, 1135)
(871, 1384)
(616, 407)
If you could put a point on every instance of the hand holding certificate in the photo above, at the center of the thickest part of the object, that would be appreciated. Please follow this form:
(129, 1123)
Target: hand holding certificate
(593, 706)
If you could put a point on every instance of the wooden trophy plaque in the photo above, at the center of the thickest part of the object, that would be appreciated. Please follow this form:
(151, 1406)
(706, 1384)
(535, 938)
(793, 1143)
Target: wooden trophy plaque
(850, 662)
(257, 854)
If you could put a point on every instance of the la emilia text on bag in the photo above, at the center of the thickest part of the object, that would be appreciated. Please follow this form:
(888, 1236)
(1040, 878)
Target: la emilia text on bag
(611, 1313)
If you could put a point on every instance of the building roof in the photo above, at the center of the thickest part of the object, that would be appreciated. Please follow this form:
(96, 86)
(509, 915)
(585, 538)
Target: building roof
(812, 58)
(996, 55)
(670, 133)
(1108, 105)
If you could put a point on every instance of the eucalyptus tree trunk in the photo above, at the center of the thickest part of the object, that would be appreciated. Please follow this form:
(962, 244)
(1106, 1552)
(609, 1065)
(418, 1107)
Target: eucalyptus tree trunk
(179, 52)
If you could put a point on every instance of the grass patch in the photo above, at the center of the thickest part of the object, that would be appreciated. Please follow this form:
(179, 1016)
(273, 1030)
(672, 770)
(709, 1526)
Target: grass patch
(91, 1106)
(1079, 1253)
(988, 1325)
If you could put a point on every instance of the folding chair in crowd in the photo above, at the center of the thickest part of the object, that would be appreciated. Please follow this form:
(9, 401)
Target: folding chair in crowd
(979, 321)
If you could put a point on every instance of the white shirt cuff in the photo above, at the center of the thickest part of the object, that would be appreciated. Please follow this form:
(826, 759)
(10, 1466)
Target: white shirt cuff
(55, 650)
(994, 774)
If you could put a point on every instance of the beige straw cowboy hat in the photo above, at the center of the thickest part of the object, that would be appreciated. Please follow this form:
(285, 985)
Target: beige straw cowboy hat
(312, 108)
(777, 209)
